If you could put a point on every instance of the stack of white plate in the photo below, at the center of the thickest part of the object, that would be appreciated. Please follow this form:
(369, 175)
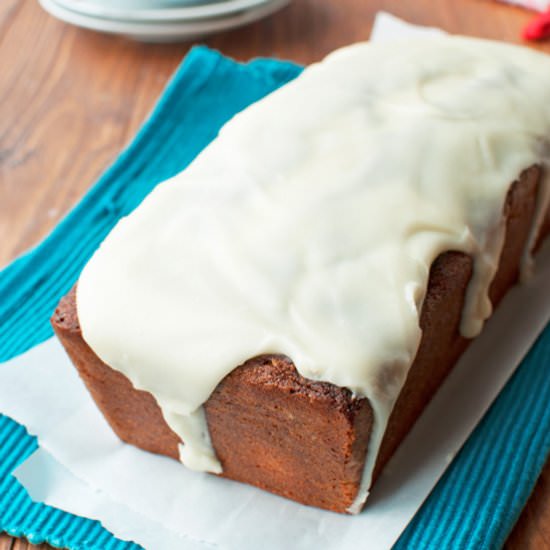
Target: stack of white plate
(161, 20)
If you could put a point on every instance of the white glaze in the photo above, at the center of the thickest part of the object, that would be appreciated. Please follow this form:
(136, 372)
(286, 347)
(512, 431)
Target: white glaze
(309, 225)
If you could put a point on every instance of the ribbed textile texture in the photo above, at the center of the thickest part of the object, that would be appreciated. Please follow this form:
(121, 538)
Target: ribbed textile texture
(474, 505)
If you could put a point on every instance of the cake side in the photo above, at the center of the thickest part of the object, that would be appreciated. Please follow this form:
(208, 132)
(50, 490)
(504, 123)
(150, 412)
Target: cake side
(306, 440)
(442, 343)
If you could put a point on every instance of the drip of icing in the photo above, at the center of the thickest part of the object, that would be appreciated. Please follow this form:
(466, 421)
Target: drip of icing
(542, 208)
(308, 227)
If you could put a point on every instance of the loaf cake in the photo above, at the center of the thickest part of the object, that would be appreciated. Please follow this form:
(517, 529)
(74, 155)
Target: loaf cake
(281, 312)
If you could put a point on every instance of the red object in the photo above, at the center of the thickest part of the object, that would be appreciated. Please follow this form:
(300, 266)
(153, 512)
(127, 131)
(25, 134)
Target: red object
(538, 28)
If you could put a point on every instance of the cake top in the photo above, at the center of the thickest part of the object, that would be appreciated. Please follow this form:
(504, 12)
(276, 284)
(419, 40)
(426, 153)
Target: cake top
(308, 226)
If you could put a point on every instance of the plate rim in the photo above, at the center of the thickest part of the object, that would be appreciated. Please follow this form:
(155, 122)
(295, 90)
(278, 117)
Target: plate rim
(156, 29)
(215, 9)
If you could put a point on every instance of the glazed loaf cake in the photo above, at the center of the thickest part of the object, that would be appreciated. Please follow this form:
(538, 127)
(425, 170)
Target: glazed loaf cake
(281, 311)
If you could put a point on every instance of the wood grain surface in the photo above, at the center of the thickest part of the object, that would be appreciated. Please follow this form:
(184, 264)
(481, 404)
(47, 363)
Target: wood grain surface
(70, 99)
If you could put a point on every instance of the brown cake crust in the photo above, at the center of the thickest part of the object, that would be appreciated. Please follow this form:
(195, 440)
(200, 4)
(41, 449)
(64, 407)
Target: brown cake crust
(295, 437)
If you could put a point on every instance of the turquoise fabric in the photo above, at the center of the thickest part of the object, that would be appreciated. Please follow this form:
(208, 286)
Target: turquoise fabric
(473, 506)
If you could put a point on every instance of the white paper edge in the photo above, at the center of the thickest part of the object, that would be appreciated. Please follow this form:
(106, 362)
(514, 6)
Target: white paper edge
(46, 480)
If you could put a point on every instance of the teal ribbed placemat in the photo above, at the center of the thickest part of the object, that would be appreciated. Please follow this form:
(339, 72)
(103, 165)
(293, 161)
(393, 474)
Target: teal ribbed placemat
(476, 502)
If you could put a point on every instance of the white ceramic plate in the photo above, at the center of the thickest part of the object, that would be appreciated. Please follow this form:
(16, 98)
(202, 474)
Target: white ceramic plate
(166, 14)
(163, 31)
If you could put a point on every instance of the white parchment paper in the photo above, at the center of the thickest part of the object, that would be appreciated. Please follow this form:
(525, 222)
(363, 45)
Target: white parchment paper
(82, 467)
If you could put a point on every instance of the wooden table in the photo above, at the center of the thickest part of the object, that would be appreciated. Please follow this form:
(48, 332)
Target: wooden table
(70, 99)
